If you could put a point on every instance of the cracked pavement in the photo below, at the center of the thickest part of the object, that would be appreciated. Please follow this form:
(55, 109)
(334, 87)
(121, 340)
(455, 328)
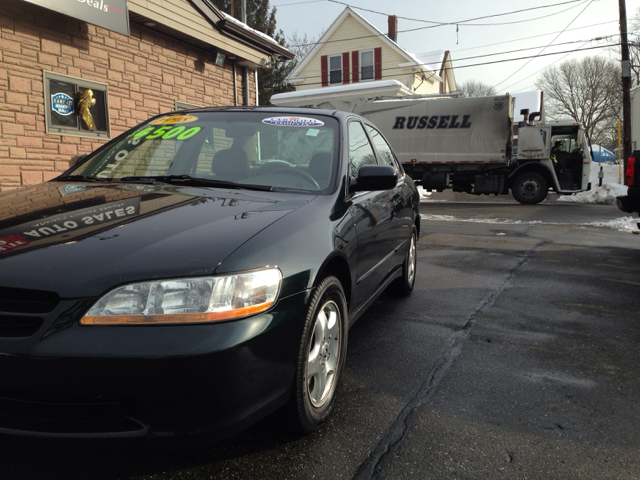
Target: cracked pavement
(515, 357)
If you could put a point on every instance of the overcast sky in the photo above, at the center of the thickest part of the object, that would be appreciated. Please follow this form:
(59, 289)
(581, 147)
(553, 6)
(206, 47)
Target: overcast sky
(585, 23)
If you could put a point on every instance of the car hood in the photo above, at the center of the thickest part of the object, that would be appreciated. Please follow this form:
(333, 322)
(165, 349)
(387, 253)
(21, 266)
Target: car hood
(81, 239)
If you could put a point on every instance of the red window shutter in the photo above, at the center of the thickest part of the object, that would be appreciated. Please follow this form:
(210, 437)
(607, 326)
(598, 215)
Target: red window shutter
(355, 66)
(345, 67)
(377, 63)
(324, 70)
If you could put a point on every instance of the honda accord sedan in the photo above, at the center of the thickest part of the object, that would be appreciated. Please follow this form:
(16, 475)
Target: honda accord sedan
(198, 272)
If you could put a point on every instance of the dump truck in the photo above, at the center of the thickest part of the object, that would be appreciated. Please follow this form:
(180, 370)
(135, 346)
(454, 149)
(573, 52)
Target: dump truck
(467, 143)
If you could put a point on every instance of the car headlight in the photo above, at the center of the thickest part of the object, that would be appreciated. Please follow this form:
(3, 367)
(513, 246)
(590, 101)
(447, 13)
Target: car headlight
(187, 300)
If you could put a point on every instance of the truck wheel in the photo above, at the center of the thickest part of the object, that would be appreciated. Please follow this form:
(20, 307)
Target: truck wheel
(530, 188)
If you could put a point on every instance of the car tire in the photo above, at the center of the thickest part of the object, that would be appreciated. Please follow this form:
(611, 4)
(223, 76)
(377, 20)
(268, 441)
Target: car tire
(403, 286)
(530, 188)
(321, 357)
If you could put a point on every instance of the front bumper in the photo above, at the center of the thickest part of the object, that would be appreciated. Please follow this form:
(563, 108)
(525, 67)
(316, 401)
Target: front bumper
(631, 202)
(68, 380)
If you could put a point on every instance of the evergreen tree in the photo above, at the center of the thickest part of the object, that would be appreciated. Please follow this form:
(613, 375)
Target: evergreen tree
(263, 18)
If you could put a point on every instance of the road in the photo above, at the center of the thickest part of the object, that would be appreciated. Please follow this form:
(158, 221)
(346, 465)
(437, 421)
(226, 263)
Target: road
(515, 357)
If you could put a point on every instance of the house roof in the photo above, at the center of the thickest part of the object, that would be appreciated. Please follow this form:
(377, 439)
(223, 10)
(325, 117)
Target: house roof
(224, 26)
(412, 60)
(432, 60)
(234, 25)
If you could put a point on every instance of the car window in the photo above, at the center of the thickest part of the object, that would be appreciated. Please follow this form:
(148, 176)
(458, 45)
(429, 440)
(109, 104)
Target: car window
(251, 148)
(151, 158)
(360, 150)
(213, 143)
(382, 147)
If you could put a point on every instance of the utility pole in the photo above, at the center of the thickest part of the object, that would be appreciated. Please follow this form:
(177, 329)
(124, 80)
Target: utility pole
(626, 84)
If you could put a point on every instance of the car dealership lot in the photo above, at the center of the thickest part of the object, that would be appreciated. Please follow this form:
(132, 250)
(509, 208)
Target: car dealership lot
(516, 356)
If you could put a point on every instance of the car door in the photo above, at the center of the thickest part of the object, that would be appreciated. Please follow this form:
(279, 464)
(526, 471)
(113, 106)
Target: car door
(401, 197)
(372, 213)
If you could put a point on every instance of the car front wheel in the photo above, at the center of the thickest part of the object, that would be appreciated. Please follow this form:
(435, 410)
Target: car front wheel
(322, 355)
(404, 285)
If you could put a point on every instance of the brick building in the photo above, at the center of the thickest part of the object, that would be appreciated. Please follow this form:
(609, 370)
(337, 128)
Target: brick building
(178, 53)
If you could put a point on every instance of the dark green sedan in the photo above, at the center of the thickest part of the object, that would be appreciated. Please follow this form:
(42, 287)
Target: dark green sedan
(199, 272)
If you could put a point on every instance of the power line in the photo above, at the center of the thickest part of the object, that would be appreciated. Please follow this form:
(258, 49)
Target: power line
(555, 38)
(533, 36)
(494, 61)
(298, 3)
(438, 24)
(462, 22)
(437, 57)
(535, 73)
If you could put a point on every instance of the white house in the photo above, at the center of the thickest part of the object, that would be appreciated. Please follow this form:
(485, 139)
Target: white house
(353, 51)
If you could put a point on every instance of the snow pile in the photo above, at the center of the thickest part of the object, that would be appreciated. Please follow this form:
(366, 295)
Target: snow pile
(606, 194)
(498, 221)
(624, 224)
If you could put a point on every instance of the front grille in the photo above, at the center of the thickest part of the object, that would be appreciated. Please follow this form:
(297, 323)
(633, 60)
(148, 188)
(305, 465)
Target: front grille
(19, 300)
(67, 414)
(15, 326)
(30, 303)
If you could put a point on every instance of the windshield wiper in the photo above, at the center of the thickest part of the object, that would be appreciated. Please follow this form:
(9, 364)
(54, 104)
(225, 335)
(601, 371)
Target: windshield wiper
(194, 181)
(81, 178)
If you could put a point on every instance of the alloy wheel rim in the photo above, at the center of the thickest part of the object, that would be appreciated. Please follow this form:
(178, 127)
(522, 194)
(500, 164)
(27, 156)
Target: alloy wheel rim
(323, 354)
(412, 260)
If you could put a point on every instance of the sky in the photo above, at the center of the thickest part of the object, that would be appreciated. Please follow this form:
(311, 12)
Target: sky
(546, 27)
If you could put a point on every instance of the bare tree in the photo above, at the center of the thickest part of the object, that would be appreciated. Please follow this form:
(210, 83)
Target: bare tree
(476, 88)
(587, 90)
(300, 46)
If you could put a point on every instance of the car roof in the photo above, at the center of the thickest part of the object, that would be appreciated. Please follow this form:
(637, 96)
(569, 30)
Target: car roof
(271, 109)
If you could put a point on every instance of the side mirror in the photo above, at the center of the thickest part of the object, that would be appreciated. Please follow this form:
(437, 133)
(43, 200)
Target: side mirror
(374, 177)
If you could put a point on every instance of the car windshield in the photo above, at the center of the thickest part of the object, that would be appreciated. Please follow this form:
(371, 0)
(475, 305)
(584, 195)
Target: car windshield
(271, 150)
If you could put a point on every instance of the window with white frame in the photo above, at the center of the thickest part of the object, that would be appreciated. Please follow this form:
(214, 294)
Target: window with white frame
(366, 65)
(335, 69)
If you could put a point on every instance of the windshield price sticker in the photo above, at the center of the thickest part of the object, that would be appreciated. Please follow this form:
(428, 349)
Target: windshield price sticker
(173, 119)
(293, 121)
(166, 132)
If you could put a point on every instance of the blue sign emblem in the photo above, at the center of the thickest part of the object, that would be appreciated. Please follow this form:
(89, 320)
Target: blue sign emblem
(62, 103)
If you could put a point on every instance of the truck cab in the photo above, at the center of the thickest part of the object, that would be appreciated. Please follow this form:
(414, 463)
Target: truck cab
(559, 150)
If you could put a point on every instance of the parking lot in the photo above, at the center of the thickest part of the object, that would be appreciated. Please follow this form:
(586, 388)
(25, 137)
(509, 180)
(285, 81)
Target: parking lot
(516, 356)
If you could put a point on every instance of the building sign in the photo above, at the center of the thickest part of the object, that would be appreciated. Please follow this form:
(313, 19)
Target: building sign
(109, 14)
(62, 103)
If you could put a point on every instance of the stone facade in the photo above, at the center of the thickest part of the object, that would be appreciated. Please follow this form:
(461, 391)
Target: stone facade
(145, 73)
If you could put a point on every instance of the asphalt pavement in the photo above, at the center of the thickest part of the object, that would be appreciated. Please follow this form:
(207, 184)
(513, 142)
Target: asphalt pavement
(516, 356)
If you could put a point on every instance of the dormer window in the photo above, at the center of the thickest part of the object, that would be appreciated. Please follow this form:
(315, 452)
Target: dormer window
(335, 69)
(366, 65)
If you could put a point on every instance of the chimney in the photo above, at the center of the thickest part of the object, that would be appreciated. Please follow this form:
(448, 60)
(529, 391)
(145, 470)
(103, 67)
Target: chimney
(393, 28)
